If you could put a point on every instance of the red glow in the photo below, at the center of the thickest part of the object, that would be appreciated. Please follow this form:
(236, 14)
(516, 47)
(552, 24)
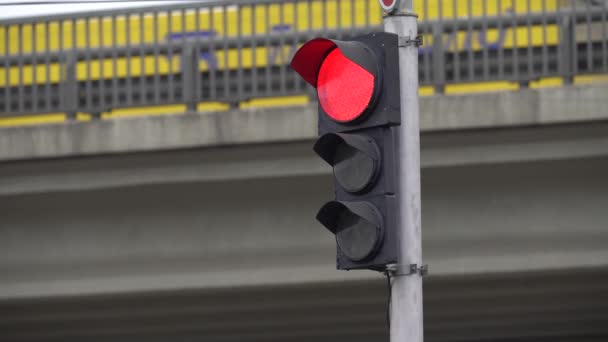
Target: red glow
(388, 3)
(344, 88)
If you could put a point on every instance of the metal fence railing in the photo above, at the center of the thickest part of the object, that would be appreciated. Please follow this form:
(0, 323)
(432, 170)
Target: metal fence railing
(191, 53)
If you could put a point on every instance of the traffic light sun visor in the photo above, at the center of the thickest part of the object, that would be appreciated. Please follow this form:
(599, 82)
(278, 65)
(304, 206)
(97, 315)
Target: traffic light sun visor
(355, 159)
(308, 59)
(330, 213)
(357, 226)
(327, 145)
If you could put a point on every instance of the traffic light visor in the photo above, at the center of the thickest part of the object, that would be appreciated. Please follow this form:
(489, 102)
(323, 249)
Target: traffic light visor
(357, 225)
(345, 74)
(354, 158)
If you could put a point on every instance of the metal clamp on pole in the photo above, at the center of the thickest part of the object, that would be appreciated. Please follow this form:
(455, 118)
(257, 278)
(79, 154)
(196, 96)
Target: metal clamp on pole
(405, 270)
(408, 41)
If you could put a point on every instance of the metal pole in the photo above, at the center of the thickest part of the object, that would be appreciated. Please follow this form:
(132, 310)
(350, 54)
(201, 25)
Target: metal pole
(406, 298)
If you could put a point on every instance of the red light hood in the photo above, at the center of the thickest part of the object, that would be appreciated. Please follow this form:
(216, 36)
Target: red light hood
(310, 56)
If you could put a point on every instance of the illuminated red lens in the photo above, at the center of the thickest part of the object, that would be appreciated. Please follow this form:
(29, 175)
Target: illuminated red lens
(388, 2)
(345, 89)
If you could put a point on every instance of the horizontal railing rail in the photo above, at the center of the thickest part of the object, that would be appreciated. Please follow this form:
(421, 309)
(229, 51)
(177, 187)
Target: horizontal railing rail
(186, 54)
(447, 26)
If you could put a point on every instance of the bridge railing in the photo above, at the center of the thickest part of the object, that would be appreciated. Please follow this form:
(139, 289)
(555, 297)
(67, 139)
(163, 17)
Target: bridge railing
(188, 54)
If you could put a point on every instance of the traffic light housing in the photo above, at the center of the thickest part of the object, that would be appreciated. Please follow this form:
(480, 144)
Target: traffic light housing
(357, 83)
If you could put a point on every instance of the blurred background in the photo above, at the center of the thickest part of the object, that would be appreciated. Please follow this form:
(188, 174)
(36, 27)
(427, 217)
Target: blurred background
(157, 178)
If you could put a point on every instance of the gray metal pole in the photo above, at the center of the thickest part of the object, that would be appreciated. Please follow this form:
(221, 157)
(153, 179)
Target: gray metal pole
(406, 300)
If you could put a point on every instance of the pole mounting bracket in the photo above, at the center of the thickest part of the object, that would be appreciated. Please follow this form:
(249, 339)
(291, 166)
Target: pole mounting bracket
(406, 270)
(408, 41)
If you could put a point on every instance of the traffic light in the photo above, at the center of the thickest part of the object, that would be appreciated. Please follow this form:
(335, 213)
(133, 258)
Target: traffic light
(357, 84)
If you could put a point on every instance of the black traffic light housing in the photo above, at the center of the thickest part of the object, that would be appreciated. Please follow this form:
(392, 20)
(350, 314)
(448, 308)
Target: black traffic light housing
(362, 149)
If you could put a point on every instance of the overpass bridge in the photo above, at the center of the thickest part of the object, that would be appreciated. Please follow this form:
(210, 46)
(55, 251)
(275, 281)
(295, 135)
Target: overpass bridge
(200, 225)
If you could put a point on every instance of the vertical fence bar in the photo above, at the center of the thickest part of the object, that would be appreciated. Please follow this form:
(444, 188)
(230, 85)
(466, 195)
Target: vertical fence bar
(573, 46)
(239, 54)
(69, 91)
(142, 61)
(188, 61)
(438, 58)
(34, 84)
(426, 66)
(7, 71)
(69, 96)
(311, 93)
(440, 52)
(185, 67)
(102, 72)
(186, 64)
(566, 38)
(283, 63)
(128, 60)
(589, 38)
(268, 62)
(156, 52)
(114, 62)
(530, 63)
(353, 17)
(456, 53)
(294, 76)
(339, 19)
(61, 59)
(604, 37)
(310, 27)
(254, 58)
(560, 42)
(62, 68)
(73, 34)
(545, 48)
(324, 16)
(169, 41)
(514, 48)
(87, 60)
(226, 69)
(366, 10)
(47, 69)
(501, 45)
(72, 89)
(20, 88)
(470, 40)
(485, 57)
(197, 54)
(212, 54)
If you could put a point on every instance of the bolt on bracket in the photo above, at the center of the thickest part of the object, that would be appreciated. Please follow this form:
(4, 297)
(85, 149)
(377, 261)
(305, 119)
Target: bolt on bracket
(408, 41)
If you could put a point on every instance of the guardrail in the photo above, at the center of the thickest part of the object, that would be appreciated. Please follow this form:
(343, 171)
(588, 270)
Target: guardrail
(192, 53)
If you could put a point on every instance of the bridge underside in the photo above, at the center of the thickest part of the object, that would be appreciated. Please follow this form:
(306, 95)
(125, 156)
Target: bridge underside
(219, 243)
(516, 250)
(524, 307)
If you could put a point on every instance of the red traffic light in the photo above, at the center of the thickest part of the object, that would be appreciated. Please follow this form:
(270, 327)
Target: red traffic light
(345, 75)
(389, 6)
(344, 88)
